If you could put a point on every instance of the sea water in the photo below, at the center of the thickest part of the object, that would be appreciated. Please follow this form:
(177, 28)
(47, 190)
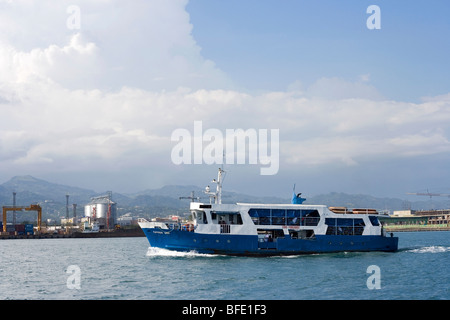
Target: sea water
(127, 268)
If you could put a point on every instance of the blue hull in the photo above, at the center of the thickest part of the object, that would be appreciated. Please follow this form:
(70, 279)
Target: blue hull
(249, 245)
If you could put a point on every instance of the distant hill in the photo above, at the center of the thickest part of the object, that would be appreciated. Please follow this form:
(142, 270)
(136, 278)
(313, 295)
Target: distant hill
(51, 196)
(339, 199)
(166, 200)
(31, 189)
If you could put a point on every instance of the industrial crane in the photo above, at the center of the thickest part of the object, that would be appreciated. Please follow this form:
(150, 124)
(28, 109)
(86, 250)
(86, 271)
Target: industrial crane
(33, 207)
(429, 194)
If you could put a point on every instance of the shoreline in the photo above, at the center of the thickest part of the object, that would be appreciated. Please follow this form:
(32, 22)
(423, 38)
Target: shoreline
(140, 233)
(79, 235)
(412, 228)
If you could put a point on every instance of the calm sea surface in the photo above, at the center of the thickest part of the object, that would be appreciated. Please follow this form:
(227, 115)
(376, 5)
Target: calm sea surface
(126, 268)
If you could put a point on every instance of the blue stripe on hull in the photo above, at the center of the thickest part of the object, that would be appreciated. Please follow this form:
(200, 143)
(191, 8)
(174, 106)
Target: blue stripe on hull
(249, 245)
(202, 243)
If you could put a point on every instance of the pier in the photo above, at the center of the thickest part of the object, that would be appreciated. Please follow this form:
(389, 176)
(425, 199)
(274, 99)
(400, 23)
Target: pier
(412, 220)
(135, 232)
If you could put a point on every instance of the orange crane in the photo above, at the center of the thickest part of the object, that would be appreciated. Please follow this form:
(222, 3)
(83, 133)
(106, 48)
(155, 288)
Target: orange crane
(33, 207)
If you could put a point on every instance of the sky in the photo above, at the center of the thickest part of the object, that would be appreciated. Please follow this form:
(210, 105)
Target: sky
(91, 93)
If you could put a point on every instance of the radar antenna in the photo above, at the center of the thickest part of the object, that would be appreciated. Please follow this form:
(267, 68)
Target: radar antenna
(217, 195)
(192, 197)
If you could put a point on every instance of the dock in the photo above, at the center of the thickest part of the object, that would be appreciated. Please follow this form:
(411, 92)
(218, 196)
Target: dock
(414, 220)
(136, 232)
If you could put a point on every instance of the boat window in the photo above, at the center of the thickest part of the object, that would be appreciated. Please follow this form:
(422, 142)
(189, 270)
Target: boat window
(200, 216)
(374, 221)
(310, 218)
(278, 217)
(293, 217)
(226, 217)
(344, 226)
(297, 217)
(260, 216)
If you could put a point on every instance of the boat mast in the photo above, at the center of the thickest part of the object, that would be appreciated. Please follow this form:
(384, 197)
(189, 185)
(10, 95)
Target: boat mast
(219, 186)
(218, 194)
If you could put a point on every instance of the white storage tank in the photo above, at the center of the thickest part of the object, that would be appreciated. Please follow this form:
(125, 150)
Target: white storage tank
(98, 208)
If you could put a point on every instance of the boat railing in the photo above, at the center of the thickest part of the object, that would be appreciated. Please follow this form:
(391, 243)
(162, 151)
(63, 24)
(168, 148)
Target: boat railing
(181, 226)
(345, 210)
(225, 228)
(296, 221)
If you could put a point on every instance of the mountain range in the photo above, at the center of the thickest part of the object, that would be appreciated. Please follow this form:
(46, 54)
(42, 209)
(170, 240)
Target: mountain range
(166, 200)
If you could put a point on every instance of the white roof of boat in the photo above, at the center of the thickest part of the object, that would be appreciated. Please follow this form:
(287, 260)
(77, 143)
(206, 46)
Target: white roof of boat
(281, 205)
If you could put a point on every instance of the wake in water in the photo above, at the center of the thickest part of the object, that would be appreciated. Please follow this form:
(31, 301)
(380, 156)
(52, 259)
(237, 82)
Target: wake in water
(159, 252)
(431, 249)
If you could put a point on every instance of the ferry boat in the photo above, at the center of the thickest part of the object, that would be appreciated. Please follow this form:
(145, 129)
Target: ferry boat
(249, 229)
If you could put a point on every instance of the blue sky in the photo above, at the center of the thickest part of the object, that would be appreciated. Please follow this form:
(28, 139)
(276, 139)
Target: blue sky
(358, 110)
(270, 44)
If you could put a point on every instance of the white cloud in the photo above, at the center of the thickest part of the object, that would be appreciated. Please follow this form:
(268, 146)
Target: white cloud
(91, 127)
(421, 143)
(337, 88)
(145, 44)
(73, 63)
(109, 97)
